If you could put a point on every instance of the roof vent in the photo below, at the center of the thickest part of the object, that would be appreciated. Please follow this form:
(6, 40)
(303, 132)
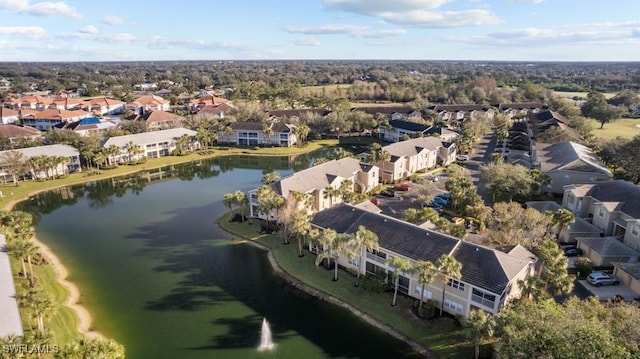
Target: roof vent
(477, 249)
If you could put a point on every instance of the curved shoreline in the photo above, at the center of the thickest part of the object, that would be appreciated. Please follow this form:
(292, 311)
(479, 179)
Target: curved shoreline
(298, 284)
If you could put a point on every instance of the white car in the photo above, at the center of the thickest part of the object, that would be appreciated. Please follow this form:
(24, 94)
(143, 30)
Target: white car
(602, 278)
(462, 157)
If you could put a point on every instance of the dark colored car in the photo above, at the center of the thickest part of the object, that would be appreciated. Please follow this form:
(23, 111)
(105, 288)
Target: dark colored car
(388, 193)
(572, 251)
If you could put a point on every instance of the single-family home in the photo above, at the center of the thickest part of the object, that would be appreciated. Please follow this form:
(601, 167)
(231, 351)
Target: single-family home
(8, 115)
(44, 120)
(15, 134)
(217, 110)
(66, 103)
(316, 181)
(162, 120)
(489, 277)
(104, 106)
(612, 206)
(253, 133)
(569, 163)
(87, 126)
(34, 102)
(71, 165)
(149, 144)
(146, 103)
(410, 156)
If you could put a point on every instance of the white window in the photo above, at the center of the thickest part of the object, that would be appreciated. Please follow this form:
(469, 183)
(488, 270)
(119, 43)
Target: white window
(426, 293)
(601, 212)
(456, 307)
(635, 230)
(456, 284)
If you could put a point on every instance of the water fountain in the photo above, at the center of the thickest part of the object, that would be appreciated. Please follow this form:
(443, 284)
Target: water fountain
(266, 342)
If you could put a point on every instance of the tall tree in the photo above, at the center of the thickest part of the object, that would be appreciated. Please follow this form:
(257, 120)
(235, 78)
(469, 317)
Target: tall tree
(270, 177)
(241, 200)
(598, 108)
(477, 326)
(364, 241)
(400, 266)
(504, 179)
(426, 272)
(14, 163)
(449, 268)
(229, 201)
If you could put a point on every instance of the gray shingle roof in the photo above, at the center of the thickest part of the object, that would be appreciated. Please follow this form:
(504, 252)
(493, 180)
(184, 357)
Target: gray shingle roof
(408, 125)
(608, 246)
(625, 193)
(570, 156)
(481, 266)
(50, 150)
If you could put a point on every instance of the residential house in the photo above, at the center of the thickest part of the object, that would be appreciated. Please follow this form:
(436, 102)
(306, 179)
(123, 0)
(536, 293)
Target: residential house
(72, 154)
(392, 112)
(580, 228)
(162, 120)
(629, 274)
(44, 120)
(521, 109)
(316, 180)
(217, 110)
(15, 133)
(152, 144)
(8, 115)
(455, 115)
(612, 206)
(34, 102)
(545, 120)
(87, 126)
(569, 163)
(147, 103)
(66, 103)
(411, 156)
(104, 106)
(607, 251)
(397, 129)
(208, 101)
(253, 134)
(489, 279)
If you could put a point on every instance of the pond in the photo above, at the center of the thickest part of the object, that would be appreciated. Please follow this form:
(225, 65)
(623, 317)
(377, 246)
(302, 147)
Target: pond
(158, 275)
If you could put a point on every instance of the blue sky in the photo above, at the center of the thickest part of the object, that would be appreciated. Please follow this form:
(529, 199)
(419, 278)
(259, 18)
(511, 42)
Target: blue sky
(141, 30)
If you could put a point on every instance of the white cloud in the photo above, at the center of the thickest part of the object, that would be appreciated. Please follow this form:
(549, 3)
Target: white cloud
(113, 20)
(306, 41)
(380, 33)
(373, 7)
(527, 1)
(159, 42)
(544, 37)
(89, 30)
(46, 8)
(442, 19)
(326, 29)
(31, 32)
(121, 37)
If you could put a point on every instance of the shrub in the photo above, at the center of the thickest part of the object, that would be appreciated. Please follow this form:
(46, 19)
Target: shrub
(584, 266)
(377, 283)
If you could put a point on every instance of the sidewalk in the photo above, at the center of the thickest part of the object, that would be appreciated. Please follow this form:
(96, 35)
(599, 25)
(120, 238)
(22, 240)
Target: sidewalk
(9, 314)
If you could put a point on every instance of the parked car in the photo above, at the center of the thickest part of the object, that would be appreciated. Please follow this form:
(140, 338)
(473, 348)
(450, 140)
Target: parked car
(432, 178)
(462, 157)
(401, 187)
(375, 201)
(440, 201)
(388, 192)
(572, 251)
(602, 278)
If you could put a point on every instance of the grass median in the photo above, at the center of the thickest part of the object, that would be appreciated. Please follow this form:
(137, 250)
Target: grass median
(438, 335)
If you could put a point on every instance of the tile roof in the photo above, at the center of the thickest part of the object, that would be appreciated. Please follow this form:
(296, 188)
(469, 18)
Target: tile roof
(55, 114)
(318, 177)
(10, 131)
(481, 266)
(409, 126)
(8, 112)
(626, 194)
(413, 146)
(569, 156)
(149, 100)
(149, 137)
(162, 116)
(103, 101)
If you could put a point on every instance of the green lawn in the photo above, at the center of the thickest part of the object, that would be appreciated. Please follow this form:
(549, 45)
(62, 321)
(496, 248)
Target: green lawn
(624, 127)
(440, 336)
(574, 94)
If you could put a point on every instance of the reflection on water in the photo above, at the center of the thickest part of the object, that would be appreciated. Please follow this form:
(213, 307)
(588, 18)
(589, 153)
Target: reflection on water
(160, 277)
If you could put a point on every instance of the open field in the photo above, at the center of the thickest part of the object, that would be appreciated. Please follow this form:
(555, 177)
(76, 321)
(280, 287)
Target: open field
(324, 89)
(624, 127)
(573, 94)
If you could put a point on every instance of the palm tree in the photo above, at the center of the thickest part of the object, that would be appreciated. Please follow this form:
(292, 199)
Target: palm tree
(400, 265)
(268, 131)
(449, 268)
(271, 177)
(301, 228)
(36, 164)
(326, 241)
(384, 156)
(203, 136)
(92, 348)
(563, 218)
(331, 193)
(40, 304)
(476, 327)
(112, 151)
(241, 200)
(182, 142)
(531, 288)
(364, 241)
(426, 272)
(229, 200)
(301, 131)
(100, 159)
(14, 163)
(346, 190)
(19, 249)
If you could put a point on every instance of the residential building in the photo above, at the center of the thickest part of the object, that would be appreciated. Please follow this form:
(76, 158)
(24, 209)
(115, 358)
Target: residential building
(316, 180)
(35, 102)
(397, 129)
(8, 115)
(612, 206)
(490, 278)
(66, 103)
(455, 115)
(580, 228)
(104, 106)
(152, 144)
(521, 109)
(607, 251)
(15, 133)
(44, 120)
(392, 112)
(147, 103)
(569, 163)
(73, 156)
(162, 120)
(411, 156)
(87, 126)
(253, 134)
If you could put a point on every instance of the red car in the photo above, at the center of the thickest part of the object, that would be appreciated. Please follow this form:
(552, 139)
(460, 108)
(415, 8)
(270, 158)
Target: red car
(375, 201)
(401, 187)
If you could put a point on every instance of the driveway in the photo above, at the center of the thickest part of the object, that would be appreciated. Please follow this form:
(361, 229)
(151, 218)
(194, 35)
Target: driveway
(607, 292)
(482, 150)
